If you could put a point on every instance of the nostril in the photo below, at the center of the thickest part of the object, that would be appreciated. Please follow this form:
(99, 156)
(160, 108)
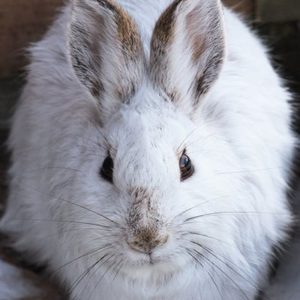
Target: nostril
(146, 243)
(160, 241)
(164, 239)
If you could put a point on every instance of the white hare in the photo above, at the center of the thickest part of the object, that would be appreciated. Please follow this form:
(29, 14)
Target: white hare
(151, 151)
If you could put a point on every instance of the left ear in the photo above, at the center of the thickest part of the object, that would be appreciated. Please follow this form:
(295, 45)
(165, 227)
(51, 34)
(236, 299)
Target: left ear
(105, 51)
(188, 50)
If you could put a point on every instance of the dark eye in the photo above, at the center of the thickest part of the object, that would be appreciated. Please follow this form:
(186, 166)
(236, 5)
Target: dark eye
(186, 167)
(106, 171)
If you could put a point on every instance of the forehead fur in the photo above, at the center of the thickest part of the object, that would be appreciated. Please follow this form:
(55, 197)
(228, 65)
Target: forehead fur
(147, 128)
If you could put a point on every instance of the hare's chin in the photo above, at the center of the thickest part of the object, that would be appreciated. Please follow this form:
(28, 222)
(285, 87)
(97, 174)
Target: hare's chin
(157, 264)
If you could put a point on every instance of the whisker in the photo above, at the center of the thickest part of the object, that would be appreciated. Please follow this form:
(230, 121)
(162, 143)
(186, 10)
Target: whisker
(179, 148)
(85, 273)
(203, 140)
(107, 246)
(209, 274)
(223, 272)
(249, 171)
(75, 229)
(197, 130)
(61, 221)
(227, 264)
(103, 275)
(246, 213)
(211, 252)
(189, 209)
(41, 147)
(97, 213)
(198, 261)
(197, 205)
(203, 235)
(102, 263)
(118, 268)
(80, 206)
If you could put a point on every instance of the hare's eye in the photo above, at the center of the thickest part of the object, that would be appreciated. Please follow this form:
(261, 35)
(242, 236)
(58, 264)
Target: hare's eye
(186, 167)
(106, 171)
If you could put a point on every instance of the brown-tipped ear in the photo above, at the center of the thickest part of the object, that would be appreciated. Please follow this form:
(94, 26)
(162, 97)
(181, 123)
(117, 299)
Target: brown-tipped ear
(188, 50)
(105, 50)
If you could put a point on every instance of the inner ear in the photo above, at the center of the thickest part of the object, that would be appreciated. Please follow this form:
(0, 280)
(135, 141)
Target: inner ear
(105, 50)
(188, 50)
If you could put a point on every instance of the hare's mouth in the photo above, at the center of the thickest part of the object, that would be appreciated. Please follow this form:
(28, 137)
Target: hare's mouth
(151, 266)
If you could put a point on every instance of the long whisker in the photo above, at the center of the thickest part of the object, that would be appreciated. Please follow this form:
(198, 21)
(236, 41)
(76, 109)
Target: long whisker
(88, 270)
(103, 275)
(248, 171)
(83, 207)
(189, 209)
(61, 221)
(41, 147)
(227, 264)
(203, 139)
(197, 205)
(118, 268)
(209, 274)
(100, 262)
(95, 270)
(183, 233)
(94, 251)
(97, 213)
(185, 139)
(223, 272)
(211, 252)
(246, 213)
(64, 230)
(198, 131)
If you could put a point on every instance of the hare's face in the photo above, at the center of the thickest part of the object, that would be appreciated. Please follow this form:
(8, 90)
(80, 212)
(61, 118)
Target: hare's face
(160, 194)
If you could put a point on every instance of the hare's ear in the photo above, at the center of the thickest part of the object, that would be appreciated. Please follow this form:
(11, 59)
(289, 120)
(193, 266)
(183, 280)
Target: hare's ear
(188, 50)
(105, 50)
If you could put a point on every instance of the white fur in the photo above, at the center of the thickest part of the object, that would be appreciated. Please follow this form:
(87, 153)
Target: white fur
(240, 143)
(13, 285)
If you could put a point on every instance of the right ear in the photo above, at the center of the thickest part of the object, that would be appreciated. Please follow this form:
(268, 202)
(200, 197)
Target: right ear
(188, 51)
(105, 51)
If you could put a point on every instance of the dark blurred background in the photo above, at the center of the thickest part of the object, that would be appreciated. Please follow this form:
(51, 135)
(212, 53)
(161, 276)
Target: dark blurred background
(23, 22)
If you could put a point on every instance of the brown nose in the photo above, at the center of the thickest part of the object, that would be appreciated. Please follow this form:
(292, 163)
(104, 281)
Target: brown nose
(145, 240)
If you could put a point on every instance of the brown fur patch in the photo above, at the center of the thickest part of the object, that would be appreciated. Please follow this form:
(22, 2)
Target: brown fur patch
(203, 35)
(144, 222)
(197, 40)
(129, 36)
(164, 28)
(161, 39)
(109, 23)
(141, 206)
(210, 45)
(209, 75)
(127, 29)
(143, 210)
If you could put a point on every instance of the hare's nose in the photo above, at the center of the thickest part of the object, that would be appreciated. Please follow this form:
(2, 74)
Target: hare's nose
(146, 240)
